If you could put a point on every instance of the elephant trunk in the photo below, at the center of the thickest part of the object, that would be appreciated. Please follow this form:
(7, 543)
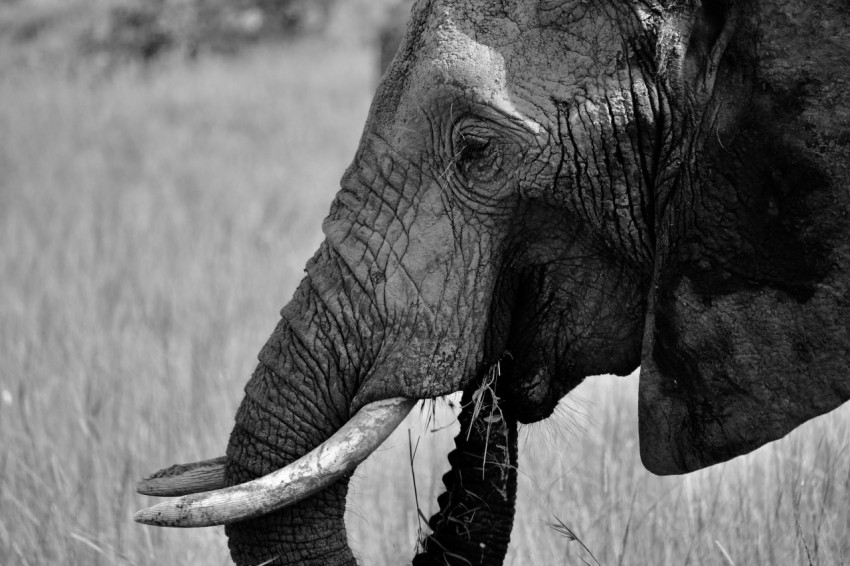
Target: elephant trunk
(473, 525)
(309, 532)
(299, 395)
(308, 389)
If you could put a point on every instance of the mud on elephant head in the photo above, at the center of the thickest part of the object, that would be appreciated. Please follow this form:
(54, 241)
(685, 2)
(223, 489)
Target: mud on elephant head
(589, 185)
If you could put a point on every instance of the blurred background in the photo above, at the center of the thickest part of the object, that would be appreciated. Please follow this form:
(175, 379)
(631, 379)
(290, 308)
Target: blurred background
(164, 169)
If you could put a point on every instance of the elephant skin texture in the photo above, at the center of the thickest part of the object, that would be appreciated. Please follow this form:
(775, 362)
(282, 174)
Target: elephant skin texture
(581, 187)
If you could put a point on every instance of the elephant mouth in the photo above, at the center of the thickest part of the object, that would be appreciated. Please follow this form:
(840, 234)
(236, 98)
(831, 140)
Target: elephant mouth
(207, 502)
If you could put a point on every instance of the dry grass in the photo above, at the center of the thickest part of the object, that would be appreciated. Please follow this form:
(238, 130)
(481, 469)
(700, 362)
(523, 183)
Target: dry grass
(584, 497)
(152, 224)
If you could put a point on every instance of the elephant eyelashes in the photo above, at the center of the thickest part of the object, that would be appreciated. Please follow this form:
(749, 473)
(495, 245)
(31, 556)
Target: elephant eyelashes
(472, 146)
(478, 159)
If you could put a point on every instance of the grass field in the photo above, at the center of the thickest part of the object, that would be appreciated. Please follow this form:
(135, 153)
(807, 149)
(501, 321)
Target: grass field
(153, 222)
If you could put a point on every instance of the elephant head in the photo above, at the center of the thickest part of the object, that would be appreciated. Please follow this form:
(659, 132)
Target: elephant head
(580, 187)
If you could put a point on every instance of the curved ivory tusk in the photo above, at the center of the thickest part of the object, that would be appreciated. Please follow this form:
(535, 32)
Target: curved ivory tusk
(335, 457)
(183, 479)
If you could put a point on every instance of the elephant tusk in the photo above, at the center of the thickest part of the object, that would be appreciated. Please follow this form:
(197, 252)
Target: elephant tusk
(183, 479)
(325, 464)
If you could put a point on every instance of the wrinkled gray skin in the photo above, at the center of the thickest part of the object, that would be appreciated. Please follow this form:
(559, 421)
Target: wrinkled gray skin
(590, 185)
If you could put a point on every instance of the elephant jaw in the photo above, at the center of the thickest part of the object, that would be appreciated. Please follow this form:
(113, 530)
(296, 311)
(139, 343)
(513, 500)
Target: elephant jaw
(313, 472)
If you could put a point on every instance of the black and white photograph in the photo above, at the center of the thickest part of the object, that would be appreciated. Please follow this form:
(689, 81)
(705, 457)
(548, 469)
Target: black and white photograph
(425, 282)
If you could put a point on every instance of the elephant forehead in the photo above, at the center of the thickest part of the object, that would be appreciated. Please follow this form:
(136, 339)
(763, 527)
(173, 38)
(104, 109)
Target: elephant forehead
(518, 56)
(452, 66)
(457, 59)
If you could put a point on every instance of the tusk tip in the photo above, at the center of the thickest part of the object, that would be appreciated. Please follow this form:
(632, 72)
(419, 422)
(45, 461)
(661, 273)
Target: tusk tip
(144, 487)
(188, 511)
(146, 517)
(184, 479)
(172, 513)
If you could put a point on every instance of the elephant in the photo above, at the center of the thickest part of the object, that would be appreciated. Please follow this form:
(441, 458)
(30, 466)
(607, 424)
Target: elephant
(557, 189)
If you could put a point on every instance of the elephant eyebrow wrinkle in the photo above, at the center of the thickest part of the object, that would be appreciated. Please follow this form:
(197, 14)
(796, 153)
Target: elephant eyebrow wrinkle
(620, 157)
(562, 158)
(593, 157)
(649, 172)
(563, 115)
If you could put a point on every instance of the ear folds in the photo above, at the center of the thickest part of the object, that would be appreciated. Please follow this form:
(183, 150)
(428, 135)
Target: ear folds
(748, 331)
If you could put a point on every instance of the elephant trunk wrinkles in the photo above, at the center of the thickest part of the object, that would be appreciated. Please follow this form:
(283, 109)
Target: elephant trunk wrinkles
(473, 525)
(298, 396)
(309, 532)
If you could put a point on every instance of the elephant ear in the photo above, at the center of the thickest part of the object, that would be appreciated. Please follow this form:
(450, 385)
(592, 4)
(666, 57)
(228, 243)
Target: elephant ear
(748, 331)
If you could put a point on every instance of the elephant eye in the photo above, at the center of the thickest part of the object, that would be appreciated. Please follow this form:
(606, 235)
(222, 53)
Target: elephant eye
(478, 158)
(471, 145)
